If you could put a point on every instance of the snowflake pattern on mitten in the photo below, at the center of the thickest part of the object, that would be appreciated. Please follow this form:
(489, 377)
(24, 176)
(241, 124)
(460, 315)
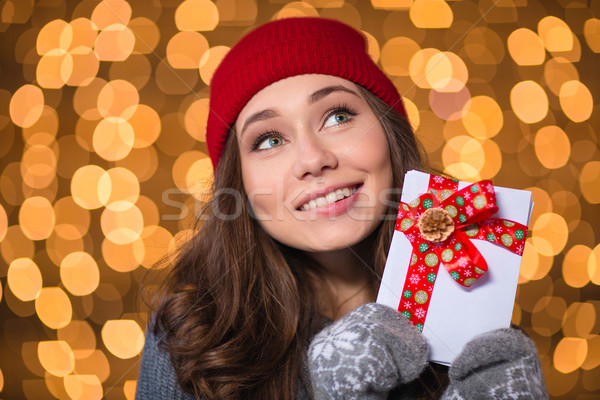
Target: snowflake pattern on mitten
(365, 354)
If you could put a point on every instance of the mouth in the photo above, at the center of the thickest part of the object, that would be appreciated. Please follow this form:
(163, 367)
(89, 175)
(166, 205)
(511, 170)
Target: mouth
(330, 198)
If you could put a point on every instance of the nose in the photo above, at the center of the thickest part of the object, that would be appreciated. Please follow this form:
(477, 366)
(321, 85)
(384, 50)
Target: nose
(313, 156)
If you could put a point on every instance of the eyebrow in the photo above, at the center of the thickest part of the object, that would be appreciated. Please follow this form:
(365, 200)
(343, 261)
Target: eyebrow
(313, 98)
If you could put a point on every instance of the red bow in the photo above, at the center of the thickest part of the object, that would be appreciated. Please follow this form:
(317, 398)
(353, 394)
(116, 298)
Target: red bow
(467, 214)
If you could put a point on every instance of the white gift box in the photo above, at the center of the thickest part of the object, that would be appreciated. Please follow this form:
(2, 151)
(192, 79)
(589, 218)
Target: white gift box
(457, 313)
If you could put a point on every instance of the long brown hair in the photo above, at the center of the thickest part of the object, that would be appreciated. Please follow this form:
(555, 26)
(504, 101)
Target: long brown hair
(238, 309)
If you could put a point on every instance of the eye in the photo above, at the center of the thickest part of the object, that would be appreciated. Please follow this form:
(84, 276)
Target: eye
(339, 115)
(268, 141)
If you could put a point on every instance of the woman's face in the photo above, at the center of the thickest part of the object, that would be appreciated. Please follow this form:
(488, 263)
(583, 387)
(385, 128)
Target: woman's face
(315, 162)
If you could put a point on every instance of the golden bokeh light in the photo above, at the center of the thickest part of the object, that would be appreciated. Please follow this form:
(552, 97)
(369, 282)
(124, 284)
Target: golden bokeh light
(147, 35)
(104, 163)
(591, 30)
(296, 9)
(84, 33)
(555, 34)
(79, 273)
(37, 218)
(123, 257)
(482, 117)
(446, 72)
(109, 12)
(80, 337)
(195, 119)
(56, 34)
(123, 338)
(210, 61)
(589, 182)
(56, 357)
(529, 101)
(196, 15)
(575, 266)
(123, 223)
(114, 43)
(552, 147)
(113, 138)
(53, 307)
(418, 67)
(185, 50)
(570, 354)
(90, 187)
(125, 188)
(24, 279)
(576, 101)
(26, 105)
(526, 48)
(396, 55)
(118, 98)
(550, 234)
(83, 387)
(557, 71)
(72, 221)
(431, 14)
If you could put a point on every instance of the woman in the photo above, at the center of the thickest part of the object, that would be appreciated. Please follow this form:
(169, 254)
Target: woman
(308, 139)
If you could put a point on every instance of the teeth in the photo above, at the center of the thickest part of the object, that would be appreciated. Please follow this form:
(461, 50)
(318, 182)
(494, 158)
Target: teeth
(328, 199)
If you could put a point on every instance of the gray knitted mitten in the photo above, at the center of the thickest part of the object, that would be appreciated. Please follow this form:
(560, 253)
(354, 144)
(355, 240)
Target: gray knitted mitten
(501, 364)
(365, 354)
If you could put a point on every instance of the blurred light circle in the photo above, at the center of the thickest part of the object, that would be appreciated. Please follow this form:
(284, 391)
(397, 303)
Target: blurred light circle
(37, 218)
(146, 33)
(123, 226)
(296, 9)
(26, 105)
(396, 55)
(90, 187)
(449, 105)
(570, 354)
(114, 43)
(552, 147)
(83, 386)
(123, 338)
(72, 220)
(589, 182)
(146, 125)
(84, 33)
(210, 61)
(431, 14)
(113, 138)
(372, 46)
(24, 279)
(53, 307)
(555, 34)
(412, 112)
(156, 241)
(56, 34)
(56, 357)
(418, 67)
(109, 12)
(38, 166)
(85, 67)
(54, 69)
(185, 50)
(525, 47)
(557, 71)
(446, 72)
(3, 223)
(195, 119)
(575, 266)
(576, 101)
(482, 117)
(550, 234)
(118, 98)
(529, 101)
(79, 273)
(80, 336)
(591, 31)
(123, 257)
(196, 15)
(124, 186)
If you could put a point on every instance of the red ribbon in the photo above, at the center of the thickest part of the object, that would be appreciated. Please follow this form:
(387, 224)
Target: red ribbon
(470, 209)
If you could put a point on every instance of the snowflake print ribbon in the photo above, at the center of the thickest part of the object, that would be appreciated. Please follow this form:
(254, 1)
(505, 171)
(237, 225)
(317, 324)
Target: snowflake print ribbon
(468, 212)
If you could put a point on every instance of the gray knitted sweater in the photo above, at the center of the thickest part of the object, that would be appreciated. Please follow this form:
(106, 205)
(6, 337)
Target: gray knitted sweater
(374, 353)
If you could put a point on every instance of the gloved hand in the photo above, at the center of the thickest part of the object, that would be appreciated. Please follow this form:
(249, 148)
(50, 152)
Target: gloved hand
(365, 354)
(501, 364)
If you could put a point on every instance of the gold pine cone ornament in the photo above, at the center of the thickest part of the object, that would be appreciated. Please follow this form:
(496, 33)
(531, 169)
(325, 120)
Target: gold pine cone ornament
(436, 225)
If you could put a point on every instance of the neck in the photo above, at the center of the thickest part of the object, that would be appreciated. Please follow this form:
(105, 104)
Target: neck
(349, 274)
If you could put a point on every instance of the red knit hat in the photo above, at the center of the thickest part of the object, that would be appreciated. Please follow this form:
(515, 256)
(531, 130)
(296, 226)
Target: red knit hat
(285, 48)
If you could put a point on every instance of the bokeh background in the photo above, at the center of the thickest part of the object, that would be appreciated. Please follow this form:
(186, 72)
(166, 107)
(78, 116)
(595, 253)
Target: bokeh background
(103, 107)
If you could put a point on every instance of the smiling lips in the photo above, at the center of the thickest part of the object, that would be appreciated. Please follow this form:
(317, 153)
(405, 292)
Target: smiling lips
(329, 198)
